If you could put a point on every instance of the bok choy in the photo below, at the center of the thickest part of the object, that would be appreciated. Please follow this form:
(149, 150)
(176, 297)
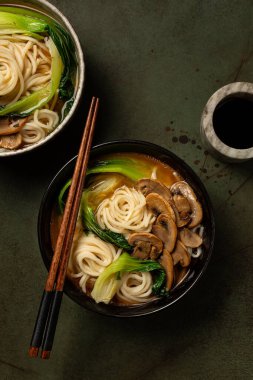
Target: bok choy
(108, 281)
(62, 51)
(128, 167)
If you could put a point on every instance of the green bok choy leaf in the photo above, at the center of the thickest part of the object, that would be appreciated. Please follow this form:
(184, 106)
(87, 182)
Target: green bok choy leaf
(62, 50)
(41, 97)
(108, 281)
(128, 167)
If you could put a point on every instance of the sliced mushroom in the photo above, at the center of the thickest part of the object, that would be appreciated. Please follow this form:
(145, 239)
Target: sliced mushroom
(158, 205)
(184, 189)
(11, 142)
(167, 262)
(147, 186)
(142, 250)
(181, 203)
(182, 218)
(181, 255)
(145, 245)
(154, 253)
(190, 238)
(166, 230)
(9, 127)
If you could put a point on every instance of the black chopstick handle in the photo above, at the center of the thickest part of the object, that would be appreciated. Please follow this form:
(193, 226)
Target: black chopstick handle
(40, 323)
(51, 324)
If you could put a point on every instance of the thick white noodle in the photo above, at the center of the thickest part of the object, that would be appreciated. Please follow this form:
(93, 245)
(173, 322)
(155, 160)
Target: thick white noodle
(136, 287)
(39, 124)
(89, 257)
(125, 212)
(197, 252)
(25, 67)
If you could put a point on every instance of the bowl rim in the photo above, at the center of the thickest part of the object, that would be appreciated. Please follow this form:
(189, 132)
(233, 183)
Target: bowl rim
(79, 88)
(136, 310)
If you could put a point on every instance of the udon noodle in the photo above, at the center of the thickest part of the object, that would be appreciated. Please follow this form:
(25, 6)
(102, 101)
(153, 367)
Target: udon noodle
(125, 211)
(25, 67)
(40, 124)
(90, 256)
(135, 287)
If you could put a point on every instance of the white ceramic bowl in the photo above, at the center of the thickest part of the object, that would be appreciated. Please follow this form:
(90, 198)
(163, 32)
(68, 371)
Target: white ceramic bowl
(50, 10)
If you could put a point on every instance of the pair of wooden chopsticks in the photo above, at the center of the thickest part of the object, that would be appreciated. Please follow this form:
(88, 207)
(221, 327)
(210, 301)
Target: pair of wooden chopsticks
(45, 326)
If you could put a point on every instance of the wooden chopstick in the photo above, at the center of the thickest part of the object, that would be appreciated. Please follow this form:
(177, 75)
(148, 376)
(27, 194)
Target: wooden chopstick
(51, 325)
(46, 322)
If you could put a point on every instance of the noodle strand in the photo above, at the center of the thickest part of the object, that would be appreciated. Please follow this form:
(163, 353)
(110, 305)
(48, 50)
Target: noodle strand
(25, 67)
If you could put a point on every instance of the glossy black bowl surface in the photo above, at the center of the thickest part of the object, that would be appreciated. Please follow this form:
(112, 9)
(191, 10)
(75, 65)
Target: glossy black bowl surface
(50, 198)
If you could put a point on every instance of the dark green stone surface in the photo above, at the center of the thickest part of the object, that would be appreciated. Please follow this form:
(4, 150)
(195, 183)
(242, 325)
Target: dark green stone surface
(154, 64)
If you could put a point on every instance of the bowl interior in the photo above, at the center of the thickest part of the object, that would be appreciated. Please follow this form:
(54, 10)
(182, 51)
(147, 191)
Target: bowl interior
(187, 173)
(44, 7)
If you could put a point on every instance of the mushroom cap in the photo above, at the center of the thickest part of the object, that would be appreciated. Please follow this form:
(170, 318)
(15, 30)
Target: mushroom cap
(181, 255)
(134, 238)
(147, 186)
(190, 238)
(181, 187)
(9, 128)
(146, 245)
(11, 141)
(158, 205)
(167, 263)
(166, 230)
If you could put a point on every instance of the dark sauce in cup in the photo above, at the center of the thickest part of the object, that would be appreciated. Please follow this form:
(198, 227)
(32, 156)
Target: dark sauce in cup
(233, 122)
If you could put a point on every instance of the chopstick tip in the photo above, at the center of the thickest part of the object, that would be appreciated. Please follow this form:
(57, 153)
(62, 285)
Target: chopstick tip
(45, 354)
(33, 352)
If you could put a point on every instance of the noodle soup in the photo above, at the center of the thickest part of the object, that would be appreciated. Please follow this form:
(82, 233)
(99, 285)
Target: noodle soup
(38, 71)
(139, 232)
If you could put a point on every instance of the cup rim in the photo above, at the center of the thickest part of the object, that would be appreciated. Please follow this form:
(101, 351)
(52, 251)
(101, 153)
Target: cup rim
(208, 134)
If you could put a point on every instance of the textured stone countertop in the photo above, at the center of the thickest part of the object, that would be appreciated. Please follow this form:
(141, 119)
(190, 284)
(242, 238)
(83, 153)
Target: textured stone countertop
(154, 64)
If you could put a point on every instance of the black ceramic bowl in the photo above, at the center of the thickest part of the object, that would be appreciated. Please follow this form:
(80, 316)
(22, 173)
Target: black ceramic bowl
(186, 172)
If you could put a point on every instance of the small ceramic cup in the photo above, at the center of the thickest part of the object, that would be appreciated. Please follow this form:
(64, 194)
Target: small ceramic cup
(219, 149)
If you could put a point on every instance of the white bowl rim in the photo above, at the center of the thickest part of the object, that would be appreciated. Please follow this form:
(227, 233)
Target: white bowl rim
(81, 71)
(208, 134)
